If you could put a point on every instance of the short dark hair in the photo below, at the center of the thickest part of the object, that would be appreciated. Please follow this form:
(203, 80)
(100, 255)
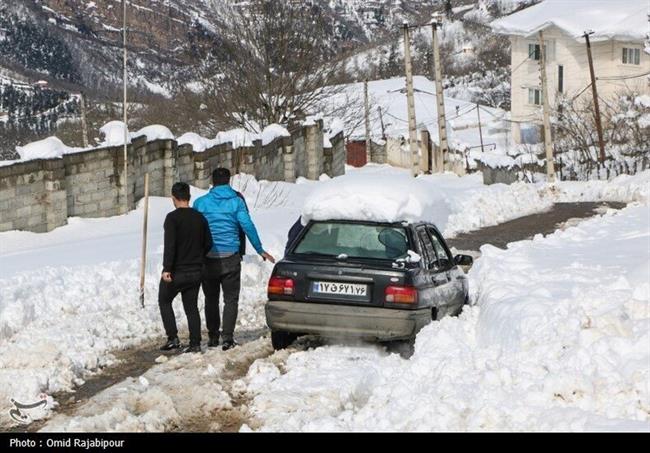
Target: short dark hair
(220, 176)
(181, 191)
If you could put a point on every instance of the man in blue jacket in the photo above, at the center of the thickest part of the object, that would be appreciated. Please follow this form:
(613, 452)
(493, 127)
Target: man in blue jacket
(227, 216)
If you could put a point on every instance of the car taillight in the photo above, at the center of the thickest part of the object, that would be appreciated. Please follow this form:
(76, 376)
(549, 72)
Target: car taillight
(401, 295)
(282, 286)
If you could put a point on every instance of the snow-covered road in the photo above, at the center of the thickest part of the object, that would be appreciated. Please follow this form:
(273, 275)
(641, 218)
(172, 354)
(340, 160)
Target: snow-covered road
(70, 296)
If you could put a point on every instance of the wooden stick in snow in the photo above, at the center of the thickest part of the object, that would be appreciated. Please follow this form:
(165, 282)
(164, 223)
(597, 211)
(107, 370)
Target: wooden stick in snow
(143, 264)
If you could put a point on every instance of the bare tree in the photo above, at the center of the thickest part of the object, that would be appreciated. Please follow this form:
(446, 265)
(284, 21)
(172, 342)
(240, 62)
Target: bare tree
(280, 65)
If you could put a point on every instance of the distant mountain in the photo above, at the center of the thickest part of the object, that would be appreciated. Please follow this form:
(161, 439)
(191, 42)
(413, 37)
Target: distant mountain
(76, 45)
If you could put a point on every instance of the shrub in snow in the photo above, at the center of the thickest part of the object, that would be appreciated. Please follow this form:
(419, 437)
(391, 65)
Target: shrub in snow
(626, 130)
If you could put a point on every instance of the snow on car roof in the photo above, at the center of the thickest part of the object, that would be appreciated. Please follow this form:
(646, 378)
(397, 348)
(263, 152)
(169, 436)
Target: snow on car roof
(373, 198)
(609, 19)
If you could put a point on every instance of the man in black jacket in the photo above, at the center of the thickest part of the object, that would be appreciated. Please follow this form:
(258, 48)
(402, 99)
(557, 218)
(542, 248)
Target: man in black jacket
(187, 241)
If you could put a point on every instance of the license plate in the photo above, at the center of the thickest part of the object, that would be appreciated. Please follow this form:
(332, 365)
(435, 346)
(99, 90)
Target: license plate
(343, 289)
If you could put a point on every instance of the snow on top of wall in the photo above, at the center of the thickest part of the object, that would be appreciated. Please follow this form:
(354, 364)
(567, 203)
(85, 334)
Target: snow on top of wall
(198, 143)
(239, 137)
(155, 132)
(113, 132)
(336, 127)
(495, 160)
(48, 148)
(273, 131)
(608, 19)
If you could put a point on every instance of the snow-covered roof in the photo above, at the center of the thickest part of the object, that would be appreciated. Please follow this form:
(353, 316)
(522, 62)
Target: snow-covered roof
(621, 20)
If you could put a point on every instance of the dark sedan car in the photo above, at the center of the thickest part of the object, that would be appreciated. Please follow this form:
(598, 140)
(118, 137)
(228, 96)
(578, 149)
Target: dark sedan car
(377, 281)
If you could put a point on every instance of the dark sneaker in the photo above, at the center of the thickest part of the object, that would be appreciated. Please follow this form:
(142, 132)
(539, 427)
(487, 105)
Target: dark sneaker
(192, 348)
(229, 344)
(173, 343)
(213, 342)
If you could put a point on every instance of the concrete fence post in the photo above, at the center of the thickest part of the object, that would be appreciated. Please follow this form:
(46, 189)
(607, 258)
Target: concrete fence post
(55, 198)
(314, 149)
(170, 171)
(289, 160)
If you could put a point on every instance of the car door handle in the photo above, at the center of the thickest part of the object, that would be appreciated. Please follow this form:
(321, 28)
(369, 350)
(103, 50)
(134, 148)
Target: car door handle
(439, 279)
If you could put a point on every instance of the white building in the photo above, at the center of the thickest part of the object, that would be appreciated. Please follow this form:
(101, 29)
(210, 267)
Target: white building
(619, 29)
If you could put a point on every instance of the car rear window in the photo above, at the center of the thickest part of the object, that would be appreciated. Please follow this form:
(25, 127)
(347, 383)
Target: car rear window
(354, 240)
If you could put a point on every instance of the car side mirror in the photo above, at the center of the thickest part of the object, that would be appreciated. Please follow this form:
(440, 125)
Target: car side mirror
(463, 260)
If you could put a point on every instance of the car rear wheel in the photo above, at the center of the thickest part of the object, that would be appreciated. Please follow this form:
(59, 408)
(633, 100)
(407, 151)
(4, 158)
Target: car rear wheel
(405, 348)
(282, 340)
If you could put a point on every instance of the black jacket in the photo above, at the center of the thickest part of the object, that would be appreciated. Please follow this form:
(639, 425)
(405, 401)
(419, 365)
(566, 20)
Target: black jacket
(187, 240)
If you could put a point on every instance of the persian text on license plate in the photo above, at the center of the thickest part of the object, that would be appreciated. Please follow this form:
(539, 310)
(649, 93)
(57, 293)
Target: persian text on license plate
(345, 289)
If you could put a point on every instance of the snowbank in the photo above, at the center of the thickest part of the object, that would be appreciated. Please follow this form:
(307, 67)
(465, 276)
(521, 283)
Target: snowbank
(558, 341)
(623, 188)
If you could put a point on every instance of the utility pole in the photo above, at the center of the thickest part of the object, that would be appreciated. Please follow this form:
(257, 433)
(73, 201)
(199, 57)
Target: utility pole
(437, 71)
(410, 100)
(480, 128)
(548, 145)
(124, 106)
(594, 90)
(381, 121)
(367, 109)
(84, 125)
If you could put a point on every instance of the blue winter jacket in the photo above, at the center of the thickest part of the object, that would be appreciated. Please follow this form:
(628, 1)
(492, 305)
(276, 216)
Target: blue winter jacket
(226, 214)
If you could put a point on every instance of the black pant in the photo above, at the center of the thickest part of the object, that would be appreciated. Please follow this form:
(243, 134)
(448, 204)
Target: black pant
(188, 284)
(223, 273)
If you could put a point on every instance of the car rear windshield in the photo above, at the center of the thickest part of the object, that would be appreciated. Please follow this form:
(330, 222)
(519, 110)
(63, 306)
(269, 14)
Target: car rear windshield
(354, 240)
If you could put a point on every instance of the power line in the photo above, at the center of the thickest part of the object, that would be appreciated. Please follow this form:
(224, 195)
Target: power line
(623, 77)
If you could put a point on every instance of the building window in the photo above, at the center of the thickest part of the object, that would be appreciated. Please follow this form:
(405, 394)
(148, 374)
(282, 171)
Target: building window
(534, 96)
(631, 56)
(534, 53)
(560, 79)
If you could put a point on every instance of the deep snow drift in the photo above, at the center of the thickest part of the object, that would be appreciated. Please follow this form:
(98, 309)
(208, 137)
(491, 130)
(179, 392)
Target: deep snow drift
(559, 339)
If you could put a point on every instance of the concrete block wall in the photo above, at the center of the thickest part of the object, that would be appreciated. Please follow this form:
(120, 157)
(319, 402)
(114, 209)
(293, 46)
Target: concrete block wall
(32, 196)
(40, 195)
(91, 182)
(270, 159)
(205, 162)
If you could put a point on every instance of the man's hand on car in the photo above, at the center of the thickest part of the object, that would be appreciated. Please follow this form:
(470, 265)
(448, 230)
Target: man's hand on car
(267, 256)
(167, 277)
